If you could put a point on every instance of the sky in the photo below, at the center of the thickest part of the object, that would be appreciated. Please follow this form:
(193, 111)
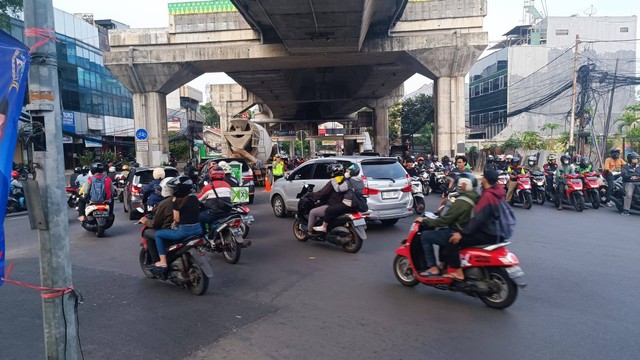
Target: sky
(502, 15)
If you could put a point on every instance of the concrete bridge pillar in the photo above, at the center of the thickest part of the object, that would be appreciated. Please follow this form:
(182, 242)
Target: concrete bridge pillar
(449, 103)
(381, 141)
(150, 113)
(312, 148)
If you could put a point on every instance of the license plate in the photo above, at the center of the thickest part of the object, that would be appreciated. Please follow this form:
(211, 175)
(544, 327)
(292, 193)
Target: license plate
(247, 218)
(100, 214)
(236, 231)
(515, 271)
(390, 194)
(359, 222)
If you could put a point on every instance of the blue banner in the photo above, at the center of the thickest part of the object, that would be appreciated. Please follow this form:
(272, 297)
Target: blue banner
(14, 70)
(69, 121)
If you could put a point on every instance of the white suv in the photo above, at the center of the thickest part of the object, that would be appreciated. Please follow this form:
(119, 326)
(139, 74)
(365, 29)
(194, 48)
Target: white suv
(387, 186)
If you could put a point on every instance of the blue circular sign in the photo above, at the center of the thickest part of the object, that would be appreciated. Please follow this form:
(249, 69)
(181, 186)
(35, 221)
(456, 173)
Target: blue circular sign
(141, 134)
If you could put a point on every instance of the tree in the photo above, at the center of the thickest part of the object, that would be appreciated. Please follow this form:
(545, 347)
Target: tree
(9, 9)
(512, 143)
(394, 122)
(415, 113)
(629, 119)
(551, 127)
(531, 140)
(423, 137)
(179, 148)
(211, 116)
(108, 157)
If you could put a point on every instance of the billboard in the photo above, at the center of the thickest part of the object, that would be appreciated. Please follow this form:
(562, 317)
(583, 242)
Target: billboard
(14, 69)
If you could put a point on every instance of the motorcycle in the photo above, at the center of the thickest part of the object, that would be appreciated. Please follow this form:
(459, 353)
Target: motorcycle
(97, 218)
(523, 191)
(618, 194)
(492, 273)
(347, 231)
(439, 181)
(186, 264)
(424, 180)
(72, 196)
(539, 187)
(573, 193)
(16, 201)
(225, 236)
(503, 179)
(247, 220)
(120, 182)
(591, 188)
(418, 195)
(604, 186)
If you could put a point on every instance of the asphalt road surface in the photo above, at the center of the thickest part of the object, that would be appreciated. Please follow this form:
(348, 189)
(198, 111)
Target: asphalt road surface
(292, 300)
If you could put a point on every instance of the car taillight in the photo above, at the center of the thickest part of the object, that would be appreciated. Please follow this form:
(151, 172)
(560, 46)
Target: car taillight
(370, 191)
(406, 188)
(247, 178)
(135, 190)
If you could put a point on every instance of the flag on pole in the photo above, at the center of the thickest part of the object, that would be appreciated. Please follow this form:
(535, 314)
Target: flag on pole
(14, 70)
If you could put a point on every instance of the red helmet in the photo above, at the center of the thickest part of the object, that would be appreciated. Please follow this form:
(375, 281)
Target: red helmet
(216, 173)
(15, 175)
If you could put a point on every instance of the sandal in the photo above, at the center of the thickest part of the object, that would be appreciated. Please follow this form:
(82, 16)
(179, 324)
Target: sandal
(162, 266)
(452, 277)
(426, 274)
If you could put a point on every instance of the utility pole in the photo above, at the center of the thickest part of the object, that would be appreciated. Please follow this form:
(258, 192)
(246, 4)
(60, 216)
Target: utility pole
(59, 317)
(574, 94)
(608, 122)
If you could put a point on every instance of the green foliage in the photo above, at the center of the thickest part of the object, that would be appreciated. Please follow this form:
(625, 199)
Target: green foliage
(108, 157)
(86, 158)
(415, 113)
(563, 140)
(211, 116)
(423, 137)
(490, 148)
(179, 148)
(512, 143)
(551, 127)
(394, 122)
(629, 119)
(531, 140)
(9, 9)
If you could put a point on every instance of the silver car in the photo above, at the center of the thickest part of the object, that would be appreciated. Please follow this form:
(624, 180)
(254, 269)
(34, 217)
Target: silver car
(387, 186)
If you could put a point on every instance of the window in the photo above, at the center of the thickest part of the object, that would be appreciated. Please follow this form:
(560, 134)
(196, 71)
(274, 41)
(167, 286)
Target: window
(561, 32)
(496, 84)
(485, 87)
(383, 169)
(303, 173)
(624, 29)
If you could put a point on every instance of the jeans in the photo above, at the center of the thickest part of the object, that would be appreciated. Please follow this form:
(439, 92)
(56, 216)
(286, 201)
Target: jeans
(314, 214)
(170, 236)
(629, 188)
(561, 193)
(609, 178)
(208, 218)
(429, 238)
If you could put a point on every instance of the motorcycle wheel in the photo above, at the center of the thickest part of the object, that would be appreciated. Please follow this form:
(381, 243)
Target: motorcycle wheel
(602, 193)
(595, 199)
(100, 231)
(540, 197)
(619, 205)
(527, 202)
(299, 234)
(12, 208)
(198, 281)
(70, 202)
(145, 260)
(231, 250)
(121, 197)
(245, 230)
(579, 203)
(418, 205)
(402, 271)
(355, 244)
(506, 293)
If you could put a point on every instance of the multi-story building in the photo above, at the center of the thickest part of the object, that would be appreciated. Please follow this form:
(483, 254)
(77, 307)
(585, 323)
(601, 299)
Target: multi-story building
(97, 108)
(535, 60)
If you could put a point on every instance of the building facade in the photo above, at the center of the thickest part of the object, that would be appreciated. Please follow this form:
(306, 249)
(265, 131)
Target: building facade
(537, 60)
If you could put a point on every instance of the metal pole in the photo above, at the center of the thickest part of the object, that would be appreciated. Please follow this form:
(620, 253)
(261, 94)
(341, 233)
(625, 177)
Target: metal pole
(608, 122)
(573, 96)
(59, 318)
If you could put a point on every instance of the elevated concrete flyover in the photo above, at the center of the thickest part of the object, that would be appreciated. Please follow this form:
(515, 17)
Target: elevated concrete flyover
(308, 61)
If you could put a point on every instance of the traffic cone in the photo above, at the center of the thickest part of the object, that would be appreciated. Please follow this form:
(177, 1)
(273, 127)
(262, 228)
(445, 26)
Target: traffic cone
(267, 185)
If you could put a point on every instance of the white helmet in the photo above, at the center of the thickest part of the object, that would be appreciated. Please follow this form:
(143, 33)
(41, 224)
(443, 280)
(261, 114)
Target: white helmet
(112, 169)
(225, 166)
(158, 173)
(509, 157)
(166, 190)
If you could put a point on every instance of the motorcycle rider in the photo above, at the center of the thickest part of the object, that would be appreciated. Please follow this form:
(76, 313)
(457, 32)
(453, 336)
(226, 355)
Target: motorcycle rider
(420, 165)
(332, 192)
(446, 163)
(228, 176)
(611, 164)
(186, 212)
(17, 190)
(513, 170)
(501, 163)
(410, 167)
(565, 168)
(481, 229)
(584, 166)
(352, 181)
(453, 220)
(82, 178)
(191, 171)
(630, 178)
(162, 219)
(436, 162)
(72, 180)
(149, 196)
(216, 197)
(491, 163)
(532, 164)
(549, 171)
(278, 168)
(97, 172)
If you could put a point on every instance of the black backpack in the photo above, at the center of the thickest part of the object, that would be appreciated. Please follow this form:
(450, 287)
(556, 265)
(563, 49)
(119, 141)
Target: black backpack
(358, 201)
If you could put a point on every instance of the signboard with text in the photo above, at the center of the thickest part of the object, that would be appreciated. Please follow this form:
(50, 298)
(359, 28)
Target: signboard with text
(69, 121)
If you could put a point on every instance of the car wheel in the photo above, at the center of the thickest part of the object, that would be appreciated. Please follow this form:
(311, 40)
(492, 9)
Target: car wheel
(279, 209)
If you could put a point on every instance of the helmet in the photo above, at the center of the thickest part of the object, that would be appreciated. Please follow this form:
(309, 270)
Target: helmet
(182, 186)
(97, 168)
(509, 158)
(158, 173)
(125, 167)
(515, 160)
(468, 177)
(77, 170)
(577, 158)
(532, 160)
(565, 157)
(135, 165)
(420, 158)
(112, 169)
(615, 152)
(551, 159)
(411, 159)
(85, 170)
(584, 162)
(501, 157)
(166, 190)
(630, 157)
(335, 170)
(225, 166)
(15, 175)
(354, 170)
(445, 158)
(216, 173)
(435, 158)
(428, 156)
(491, 159)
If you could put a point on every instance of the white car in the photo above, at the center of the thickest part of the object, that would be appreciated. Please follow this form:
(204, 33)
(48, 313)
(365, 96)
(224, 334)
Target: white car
(387, 186)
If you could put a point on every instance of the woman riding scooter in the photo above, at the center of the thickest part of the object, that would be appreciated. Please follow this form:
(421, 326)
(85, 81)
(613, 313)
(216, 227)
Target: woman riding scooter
(332, 192)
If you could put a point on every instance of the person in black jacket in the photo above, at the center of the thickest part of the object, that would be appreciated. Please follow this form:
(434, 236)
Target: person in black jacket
(331, 194)
(630, 178)
(481, 229)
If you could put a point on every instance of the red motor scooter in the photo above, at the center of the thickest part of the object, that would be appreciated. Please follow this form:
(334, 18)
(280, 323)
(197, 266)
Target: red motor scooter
(522, 194)
(573, 193)
(491, 271)
(591, 188)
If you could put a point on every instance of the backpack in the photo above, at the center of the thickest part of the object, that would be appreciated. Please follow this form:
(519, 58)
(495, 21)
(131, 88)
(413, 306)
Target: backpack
(506, 222)
(97, 194)
(358, 201)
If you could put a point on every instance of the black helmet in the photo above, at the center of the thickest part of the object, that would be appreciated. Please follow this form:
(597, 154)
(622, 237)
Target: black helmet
(77, 170)
(532, 160)
(584, 162)
(85, 170)
(632, 156)
(565, 157)
(97, 168)
(615, 152)
(445, 158)
(411, 159)
(181, 185)
(470, 176)
(435, 158)
(490, 159)
(135, 165)
(335, 170)
(354, 170)
(515, 161)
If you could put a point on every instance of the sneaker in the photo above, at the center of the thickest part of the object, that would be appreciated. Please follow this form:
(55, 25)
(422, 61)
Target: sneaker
(319, 228)
(626, 212)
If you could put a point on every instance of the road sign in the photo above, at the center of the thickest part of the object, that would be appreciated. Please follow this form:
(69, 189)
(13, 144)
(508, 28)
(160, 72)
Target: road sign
(142, 146)
(141, 134)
